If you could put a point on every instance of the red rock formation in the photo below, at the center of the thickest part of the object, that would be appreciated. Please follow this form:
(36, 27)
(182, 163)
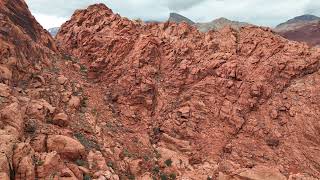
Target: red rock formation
(36, 123)
(25, 47)
(161, 101)
(211, 102)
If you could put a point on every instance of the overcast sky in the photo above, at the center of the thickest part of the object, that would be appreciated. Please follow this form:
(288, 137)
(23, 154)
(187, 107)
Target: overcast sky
(52, 13)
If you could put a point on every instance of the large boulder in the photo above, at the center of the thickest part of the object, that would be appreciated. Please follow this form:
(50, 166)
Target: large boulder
(65, 146)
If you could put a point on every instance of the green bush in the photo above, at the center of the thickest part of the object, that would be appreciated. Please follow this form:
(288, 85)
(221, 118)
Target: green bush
(168, 162)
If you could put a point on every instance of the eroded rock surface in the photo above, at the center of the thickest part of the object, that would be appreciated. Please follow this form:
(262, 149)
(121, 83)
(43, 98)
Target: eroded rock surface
(247, 96)
(128, 100)
(37, 127)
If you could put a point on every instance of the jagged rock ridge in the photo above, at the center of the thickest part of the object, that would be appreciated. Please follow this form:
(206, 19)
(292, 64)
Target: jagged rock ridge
(226, 104)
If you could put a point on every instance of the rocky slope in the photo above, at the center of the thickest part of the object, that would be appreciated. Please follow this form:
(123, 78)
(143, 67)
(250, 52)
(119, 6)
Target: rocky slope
(41, 105)
(172, 102)
(177, 18)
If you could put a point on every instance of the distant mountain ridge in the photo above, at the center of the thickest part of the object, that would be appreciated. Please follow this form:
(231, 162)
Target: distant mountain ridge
(219, 24)
(175, 17)
(213, 25)
(305, 28)
(53, 31)
(302, 18)
(297, 22)
(308, 33)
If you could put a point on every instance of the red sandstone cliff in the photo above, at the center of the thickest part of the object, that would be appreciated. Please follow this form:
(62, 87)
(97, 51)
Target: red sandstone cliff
(24, 47)
(39, 106)
(212, 103)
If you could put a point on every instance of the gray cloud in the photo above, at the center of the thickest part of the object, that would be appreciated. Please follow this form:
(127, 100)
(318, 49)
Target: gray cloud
(178, 5)
(260, 12)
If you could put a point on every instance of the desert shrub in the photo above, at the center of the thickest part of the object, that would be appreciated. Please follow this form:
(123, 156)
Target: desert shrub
(168, 162)
(87, 143)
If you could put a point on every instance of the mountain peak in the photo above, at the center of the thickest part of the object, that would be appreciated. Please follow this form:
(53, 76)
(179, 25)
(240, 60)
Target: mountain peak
(299, 19)
(99, 6)
(175, 17)
(221, 19)
(306, 17)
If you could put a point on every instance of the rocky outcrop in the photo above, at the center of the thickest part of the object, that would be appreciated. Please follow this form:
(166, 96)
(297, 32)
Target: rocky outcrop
(216, 102)
(25, 47)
